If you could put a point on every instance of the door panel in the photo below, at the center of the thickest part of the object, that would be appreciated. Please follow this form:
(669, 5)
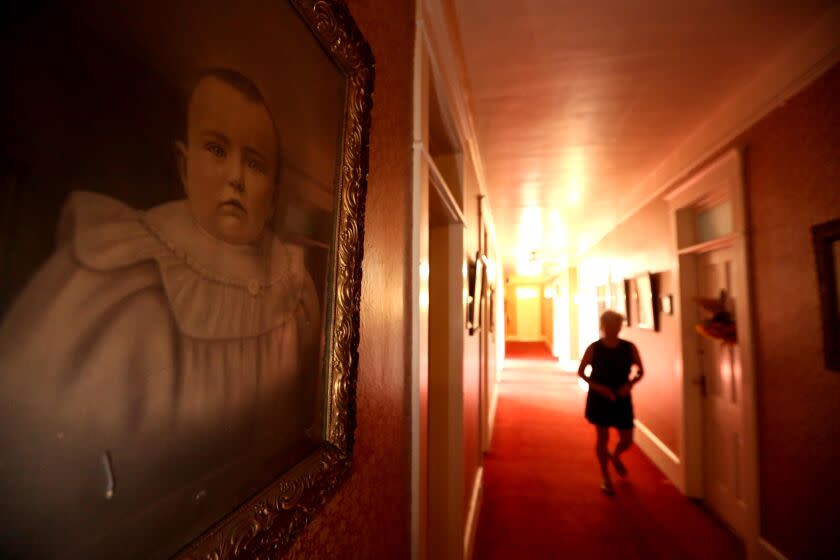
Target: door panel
(529, 314)
(720, 364)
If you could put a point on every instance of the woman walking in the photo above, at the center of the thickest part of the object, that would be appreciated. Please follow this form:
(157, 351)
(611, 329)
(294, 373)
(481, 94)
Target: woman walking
(608, 403)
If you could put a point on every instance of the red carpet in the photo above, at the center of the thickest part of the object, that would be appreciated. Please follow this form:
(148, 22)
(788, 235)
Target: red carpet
(527, 350)
(541, 487)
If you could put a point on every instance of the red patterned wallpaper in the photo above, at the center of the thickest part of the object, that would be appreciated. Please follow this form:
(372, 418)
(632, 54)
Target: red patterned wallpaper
(793, 182)
(792, 168)
(369, 517)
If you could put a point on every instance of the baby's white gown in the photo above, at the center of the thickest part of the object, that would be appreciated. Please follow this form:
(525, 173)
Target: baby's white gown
(186, 362)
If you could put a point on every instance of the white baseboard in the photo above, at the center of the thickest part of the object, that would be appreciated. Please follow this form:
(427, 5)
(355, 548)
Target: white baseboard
(767, 551)
(661, 455)
(472, 514)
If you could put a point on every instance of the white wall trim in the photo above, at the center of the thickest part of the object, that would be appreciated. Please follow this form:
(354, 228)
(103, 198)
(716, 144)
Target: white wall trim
(723, 176)
(419, 253)
(769, 552)
(788, 74)
(438, 64)
(661, 455)
(472, 514)
(447, 66)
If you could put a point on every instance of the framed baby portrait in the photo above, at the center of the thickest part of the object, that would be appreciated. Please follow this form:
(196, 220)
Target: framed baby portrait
(182, 194)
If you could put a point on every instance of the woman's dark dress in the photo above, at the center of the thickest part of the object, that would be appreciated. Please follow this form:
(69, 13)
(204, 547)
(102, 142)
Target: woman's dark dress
(610, 367)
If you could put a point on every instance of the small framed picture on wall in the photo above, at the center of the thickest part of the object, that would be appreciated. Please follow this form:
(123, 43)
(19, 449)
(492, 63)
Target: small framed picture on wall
(618, 299)
(644, 300)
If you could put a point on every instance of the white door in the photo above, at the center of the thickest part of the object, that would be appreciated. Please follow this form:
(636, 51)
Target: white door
(528, 313)
(720, 366)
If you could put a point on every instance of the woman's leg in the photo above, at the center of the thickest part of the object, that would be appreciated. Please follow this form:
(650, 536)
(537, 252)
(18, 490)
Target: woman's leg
(603, 438)
(625, 440)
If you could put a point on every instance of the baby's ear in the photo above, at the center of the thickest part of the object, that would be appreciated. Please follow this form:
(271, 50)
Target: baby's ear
(181, 160)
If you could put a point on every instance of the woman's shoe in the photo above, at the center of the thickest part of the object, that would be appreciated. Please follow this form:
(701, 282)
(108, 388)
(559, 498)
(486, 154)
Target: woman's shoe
(607, 488)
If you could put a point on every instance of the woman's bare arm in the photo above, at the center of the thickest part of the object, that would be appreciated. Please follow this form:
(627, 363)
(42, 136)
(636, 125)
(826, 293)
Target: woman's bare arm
(637, 361)
(624, 390)
(585, 361)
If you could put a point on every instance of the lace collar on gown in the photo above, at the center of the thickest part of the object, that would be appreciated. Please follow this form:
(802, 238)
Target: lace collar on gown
(216, 290)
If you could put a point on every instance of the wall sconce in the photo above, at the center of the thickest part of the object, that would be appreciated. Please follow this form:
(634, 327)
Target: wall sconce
(667, 304)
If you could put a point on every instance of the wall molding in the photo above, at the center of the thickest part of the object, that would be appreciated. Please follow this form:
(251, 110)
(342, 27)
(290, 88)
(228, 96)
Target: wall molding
(471, 526)
(767, 551)
(446, 57)
(661, 455)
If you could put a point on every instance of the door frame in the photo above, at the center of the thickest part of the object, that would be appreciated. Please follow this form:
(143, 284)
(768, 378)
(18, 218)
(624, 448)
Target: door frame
(722, 180)
(436, 405)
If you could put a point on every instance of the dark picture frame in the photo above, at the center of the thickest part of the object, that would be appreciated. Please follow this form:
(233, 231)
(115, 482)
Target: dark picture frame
(476, 293)
(826, 243)
(602, 298)
(628, 286)
(666, 304)
(645, 298)
(279, 493)
(491, 316)
(618, 299)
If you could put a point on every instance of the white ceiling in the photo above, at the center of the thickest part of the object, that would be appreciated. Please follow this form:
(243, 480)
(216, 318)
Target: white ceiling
(576, 101)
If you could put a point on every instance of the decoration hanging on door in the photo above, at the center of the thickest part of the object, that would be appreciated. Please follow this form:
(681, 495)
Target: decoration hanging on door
(721, 325)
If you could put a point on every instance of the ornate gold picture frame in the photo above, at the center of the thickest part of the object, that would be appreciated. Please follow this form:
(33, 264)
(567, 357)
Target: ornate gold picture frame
(271, 521)
(178, 364)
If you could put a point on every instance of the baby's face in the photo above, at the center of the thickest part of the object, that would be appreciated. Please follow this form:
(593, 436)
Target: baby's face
(228, 165)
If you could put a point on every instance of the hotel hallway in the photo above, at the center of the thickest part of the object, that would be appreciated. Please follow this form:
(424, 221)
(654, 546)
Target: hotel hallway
(541, 485)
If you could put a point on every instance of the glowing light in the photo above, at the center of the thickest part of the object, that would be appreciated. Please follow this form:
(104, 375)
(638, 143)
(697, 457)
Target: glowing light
(528, 267)
(558, 237)
(583, 244)
(525, 292)
(575, 174)
(530, 229)
(491, 271)
(424, 285)
(548, 293)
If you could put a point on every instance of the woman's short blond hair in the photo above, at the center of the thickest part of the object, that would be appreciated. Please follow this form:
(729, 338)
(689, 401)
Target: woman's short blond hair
(611, 316)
